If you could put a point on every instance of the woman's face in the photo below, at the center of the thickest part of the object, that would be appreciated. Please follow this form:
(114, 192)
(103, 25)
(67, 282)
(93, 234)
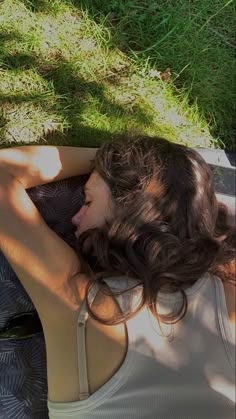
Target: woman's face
(98, 205)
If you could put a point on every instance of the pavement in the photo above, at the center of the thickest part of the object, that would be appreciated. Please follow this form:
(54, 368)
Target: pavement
(223, 166)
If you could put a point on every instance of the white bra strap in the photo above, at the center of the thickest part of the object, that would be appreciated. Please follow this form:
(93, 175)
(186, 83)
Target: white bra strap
(82, 360)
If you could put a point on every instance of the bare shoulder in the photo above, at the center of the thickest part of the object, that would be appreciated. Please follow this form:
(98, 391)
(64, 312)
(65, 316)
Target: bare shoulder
(106, 346)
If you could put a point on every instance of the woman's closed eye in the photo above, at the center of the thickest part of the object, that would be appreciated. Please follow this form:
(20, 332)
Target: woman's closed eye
(87, 202)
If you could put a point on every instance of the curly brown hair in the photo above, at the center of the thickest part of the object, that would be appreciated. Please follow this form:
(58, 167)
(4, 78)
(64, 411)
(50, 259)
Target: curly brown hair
(169, 228)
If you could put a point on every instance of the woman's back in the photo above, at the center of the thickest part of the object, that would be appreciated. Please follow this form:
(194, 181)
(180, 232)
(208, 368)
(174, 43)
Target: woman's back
(150, 213)
(188, 373)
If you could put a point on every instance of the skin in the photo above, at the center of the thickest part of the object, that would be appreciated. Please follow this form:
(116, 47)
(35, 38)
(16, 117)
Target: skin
(98, 206)
(38, 256)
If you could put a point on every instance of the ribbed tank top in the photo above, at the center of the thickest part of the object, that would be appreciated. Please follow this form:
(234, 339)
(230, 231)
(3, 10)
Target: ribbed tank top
(187, 374)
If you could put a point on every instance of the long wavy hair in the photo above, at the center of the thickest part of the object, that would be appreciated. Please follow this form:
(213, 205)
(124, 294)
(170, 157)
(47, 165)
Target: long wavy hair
(168, 229)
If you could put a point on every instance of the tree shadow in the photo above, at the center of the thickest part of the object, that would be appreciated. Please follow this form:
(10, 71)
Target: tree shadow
(138, 18)
(111, 15)
(44, 6)
(18, 61)
(14, 60)
(6, 36)
(73, 95)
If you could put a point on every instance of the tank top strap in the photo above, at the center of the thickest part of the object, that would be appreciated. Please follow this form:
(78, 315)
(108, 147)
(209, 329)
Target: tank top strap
(125, 302)
(82, 359)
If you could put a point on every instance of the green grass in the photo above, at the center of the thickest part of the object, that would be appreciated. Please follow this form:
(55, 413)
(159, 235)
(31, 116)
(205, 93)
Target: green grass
(80, 72)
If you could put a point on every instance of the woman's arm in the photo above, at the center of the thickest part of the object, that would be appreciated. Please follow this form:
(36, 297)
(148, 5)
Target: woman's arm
(43, 262)
(37, 165)
(50, 271)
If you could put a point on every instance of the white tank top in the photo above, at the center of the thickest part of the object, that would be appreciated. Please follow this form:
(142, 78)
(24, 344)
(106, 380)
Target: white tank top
(189, 374)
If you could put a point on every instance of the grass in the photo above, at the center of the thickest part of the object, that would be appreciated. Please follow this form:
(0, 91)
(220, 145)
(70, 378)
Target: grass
(80, 72)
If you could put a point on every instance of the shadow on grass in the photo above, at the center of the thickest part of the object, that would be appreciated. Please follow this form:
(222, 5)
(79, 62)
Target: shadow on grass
(15, 59)
(6, 36)
(18, 60)
(142, 28)
(43, 6)
(73, 96)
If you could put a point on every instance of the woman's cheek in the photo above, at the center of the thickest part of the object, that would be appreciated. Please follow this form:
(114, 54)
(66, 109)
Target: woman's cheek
(91, 219)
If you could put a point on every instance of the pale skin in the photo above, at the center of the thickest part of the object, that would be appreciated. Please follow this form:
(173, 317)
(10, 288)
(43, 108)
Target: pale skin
(51, 272)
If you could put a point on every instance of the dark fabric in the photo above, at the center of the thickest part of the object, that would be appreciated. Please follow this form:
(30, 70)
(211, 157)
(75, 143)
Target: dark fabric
(23, 379)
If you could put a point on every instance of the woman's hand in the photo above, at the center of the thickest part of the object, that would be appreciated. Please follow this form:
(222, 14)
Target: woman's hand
(37, 165)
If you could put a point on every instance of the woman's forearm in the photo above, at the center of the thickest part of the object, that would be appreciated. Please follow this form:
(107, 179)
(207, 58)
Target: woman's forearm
(36, 165)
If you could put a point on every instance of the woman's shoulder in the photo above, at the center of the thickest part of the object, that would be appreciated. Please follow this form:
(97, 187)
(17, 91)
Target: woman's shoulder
(227, 299)
(226, 292)
(131, 293)
(126, 292)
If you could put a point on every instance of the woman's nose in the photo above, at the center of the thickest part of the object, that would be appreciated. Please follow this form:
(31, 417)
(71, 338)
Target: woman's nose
(77, 217)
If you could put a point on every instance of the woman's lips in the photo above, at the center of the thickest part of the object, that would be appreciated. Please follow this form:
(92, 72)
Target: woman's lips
(76, 233)
(76, 222)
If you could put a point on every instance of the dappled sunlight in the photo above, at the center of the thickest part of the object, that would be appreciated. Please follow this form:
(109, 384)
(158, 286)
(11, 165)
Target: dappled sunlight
(197, 172)
(79, 43)
(157, 35)
(177, 118)
(15, 13)
(87, 46)
(14, 84)
(38, 280)
(190, 353)
(199, 180)
(153, 343)
(174, 118)
(222, 386)
(69, 79)
(50, 36)
(48, 162)
(46, 266)
(30, 122)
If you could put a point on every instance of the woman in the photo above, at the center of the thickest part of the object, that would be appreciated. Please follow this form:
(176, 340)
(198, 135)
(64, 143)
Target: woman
(149, 330)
